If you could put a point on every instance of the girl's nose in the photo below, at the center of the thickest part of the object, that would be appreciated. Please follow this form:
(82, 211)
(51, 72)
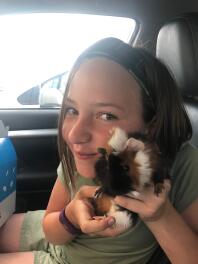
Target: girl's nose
(80, 131)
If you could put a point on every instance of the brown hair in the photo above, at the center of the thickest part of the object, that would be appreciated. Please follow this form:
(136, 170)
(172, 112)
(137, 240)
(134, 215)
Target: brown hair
(163, 107)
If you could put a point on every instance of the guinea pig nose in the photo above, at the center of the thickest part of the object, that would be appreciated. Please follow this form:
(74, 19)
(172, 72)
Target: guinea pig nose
(102, 151)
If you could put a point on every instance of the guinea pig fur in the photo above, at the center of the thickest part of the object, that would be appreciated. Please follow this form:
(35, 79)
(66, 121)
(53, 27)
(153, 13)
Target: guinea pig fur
(128, 164)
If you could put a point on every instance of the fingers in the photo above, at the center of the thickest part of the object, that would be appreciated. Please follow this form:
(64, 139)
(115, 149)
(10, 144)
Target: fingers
(97, 225)
(149, 191)
(146, 201)
(85, 219)
(130, 203)
(111, 231)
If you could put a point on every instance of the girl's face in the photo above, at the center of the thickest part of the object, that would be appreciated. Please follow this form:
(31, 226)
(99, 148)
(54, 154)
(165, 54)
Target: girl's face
(102, 95)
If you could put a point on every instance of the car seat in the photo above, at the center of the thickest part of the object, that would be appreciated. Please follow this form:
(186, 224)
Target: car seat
(177, 48)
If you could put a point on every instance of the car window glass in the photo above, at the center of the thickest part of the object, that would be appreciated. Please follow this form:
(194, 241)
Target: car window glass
(38, 50)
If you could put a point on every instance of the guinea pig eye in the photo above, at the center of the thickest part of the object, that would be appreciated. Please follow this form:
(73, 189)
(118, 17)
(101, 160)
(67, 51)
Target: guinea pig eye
(125, 167)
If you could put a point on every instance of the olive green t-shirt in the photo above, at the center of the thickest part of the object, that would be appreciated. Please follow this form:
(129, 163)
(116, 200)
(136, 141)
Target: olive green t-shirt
(136, 245)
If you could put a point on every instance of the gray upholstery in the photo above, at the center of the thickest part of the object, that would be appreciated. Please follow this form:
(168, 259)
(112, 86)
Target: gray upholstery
(177, 47)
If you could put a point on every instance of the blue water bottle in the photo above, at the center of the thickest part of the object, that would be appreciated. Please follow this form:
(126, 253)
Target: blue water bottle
(8, 164)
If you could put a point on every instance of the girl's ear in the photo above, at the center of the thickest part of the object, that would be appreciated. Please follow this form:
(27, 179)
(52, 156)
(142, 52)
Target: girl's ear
(150, 131)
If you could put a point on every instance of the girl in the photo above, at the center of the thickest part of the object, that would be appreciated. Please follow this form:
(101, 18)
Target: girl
(113, 85)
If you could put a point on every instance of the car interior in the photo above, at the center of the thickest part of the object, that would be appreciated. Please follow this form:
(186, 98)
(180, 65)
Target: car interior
(177, 48)
(166, 28)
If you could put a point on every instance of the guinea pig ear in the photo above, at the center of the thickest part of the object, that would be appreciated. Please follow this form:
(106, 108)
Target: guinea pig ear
(135, 144)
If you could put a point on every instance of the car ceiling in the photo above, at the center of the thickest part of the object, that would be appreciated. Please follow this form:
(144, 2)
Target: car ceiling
(150, 14)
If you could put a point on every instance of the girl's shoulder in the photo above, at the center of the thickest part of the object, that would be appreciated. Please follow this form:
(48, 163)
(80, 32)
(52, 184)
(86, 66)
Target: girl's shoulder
(187, 156)
(184, 177)
(188, 148)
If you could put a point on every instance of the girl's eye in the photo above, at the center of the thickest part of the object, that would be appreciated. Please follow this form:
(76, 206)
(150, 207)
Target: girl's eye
(70, 111)
(107, 116)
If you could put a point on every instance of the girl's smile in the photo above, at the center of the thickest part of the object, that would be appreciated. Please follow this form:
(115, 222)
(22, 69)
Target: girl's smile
(84, 156)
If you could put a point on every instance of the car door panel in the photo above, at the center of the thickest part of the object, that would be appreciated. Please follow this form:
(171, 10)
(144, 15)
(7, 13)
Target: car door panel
(34, 135)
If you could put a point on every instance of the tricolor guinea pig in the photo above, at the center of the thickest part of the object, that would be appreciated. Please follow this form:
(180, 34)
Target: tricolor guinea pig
(128, 164)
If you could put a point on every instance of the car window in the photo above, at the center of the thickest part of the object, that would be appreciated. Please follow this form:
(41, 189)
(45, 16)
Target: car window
(38, 50)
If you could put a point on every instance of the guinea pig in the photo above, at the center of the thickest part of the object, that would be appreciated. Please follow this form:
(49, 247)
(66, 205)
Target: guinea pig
(126, 166)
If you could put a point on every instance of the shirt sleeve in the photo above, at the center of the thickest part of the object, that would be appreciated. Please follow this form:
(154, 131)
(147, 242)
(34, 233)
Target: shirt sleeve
(60, 174)
(64, 180)
(185, 178)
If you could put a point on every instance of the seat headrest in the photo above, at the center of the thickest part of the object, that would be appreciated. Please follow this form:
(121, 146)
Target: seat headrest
(177, 47)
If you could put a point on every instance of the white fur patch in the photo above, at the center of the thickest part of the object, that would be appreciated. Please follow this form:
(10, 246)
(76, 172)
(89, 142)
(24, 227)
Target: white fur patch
(118, 139)
(145, 170)
(122, 218)
(133, 194)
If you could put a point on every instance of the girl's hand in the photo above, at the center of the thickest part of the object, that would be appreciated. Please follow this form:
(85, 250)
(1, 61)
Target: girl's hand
(110, 231)
(148, 205)
(81, 213)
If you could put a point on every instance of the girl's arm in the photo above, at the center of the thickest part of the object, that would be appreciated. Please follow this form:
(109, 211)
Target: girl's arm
(177, 234)
(53, 229)
(78, 211)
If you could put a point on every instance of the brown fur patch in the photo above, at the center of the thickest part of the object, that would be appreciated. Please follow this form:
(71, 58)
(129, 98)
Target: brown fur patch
(103, 204)
(128, 158)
